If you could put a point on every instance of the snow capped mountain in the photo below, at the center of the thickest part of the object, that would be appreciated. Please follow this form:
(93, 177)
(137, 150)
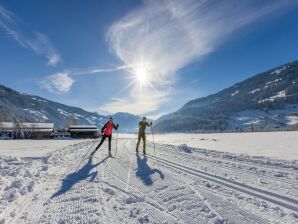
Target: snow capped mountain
(28, 108)
(129, 122)
(264, 93)
(258, 120)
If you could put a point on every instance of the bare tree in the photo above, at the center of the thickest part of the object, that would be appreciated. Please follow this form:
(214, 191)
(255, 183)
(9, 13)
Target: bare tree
(71, 121)
(32, 131)
(2, 119)
(17, 127)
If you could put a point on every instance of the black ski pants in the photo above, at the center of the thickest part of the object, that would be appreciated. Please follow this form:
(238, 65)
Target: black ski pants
(102, 140)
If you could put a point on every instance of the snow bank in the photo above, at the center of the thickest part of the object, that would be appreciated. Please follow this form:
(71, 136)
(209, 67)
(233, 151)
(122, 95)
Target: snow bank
(21, 176)
(17, 178)
(34, 148)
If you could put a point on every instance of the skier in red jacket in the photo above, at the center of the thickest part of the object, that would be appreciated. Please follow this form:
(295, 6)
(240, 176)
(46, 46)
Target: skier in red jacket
(107, 131)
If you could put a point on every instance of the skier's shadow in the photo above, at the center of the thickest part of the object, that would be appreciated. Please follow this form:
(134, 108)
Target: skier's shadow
(144, 171)
(71, 179)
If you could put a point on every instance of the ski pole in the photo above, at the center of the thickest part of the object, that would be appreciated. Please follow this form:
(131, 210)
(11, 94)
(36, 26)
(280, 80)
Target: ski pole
(85, 156)
(116, 143)
(154, 147)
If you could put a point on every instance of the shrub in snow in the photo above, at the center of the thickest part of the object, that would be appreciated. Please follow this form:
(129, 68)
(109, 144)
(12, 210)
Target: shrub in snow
(184, 148)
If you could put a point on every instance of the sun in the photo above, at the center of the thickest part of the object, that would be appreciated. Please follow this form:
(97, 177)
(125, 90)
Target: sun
(141, 74)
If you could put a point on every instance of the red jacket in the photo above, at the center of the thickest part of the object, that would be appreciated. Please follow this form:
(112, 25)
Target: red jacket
(107, 129)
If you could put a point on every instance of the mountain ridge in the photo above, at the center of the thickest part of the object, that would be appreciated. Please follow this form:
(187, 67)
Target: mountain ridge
(31, 108)
(269, 90)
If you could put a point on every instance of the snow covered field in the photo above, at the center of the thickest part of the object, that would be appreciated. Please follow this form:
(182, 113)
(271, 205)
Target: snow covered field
(277, 145)
(175, 184)
(33, 148)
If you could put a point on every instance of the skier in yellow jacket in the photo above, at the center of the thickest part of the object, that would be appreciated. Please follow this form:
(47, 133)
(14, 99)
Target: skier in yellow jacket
(142, 134)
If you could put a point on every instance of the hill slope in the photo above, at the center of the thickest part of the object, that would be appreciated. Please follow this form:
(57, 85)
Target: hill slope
(271, 90)
(28, 108)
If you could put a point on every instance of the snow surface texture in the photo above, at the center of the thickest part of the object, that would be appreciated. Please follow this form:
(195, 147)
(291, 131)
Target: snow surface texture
(174, 184)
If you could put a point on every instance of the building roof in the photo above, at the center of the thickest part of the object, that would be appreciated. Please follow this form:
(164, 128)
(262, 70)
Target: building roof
(35, 126)
(82, 127)
(83, 130)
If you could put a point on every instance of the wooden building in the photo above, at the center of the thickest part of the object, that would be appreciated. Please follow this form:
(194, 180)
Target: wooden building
(27, 130)
(83, 131)
(61, 133)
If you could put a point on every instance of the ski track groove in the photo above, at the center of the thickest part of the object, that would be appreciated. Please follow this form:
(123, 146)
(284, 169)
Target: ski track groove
(139, 195)
(249, 163)
(153, 204)
(184, 200)
(157, 213)
(234, 169)
(268, 178)
(235, 166)
(269, 196)
(195, 205)
(100, 180)
(167, 160)
(66, 203)
(232, 213)
(128, 173)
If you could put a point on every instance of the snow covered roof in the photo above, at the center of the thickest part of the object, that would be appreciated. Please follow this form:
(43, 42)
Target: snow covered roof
(83, 130)
(82, 127)
(35, 126)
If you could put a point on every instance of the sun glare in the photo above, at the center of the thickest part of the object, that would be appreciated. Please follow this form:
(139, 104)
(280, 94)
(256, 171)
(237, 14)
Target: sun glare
(141, 74)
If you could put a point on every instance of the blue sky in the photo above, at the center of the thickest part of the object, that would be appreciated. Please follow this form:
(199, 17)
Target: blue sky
(142, 57)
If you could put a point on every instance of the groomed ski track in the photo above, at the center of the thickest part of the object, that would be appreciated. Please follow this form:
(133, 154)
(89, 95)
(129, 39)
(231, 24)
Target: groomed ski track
(277, 199)
(165, 186)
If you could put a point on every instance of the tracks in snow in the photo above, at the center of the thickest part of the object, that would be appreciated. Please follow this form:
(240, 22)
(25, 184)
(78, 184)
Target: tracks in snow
(110, 190)
(235, 167)
(77, 200)
(272, 197)
(167, 201)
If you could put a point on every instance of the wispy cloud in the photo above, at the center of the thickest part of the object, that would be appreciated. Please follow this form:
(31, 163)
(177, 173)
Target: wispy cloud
(164, 36)
(28, 38)
(61, 82)
(89, 71)
(58, 83)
